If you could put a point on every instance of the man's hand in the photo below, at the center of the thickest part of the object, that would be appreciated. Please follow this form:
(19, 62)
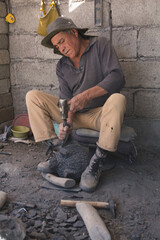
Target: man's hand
(64, 131)
(78, 102)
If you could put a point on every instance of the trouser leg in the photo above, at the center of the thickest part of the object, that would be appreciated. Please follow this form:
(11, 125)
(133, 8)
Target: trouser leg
(42, 110)
(111, 120)
(107, 119)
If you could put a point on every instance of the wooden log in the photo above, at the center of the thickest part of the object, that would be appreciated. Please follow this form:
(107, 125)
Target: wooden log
(96, 227)
(3, 198)
(59, 181)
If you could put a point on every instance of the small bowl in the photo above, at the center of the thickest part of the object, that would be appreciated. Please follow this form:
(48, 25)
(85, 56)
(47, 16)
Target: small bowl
(20, 131)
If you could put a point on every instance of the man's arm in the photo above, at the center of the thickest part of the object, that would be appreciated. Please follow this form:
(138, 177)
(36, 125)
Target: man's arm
(79, 101)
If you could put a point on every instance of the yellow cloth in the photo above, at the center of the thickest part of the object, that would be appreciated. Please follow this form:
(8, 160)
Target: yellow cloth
(46, 20)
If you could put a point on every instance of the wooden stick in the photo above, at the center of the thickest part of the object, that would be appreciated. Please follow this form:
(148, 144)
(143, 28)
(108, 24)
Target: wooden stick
(3, 197)
(71, 203)
(96, 227)
(63, 182)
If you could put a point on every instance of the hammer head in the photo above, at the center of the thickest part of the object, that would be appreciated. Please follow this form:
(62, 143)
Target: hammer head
(112, 207)
(63, 107)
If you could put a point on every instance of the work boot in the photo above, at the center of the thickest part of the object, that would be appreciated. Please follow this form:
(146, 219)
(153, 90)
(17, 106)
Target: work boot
(90, 177)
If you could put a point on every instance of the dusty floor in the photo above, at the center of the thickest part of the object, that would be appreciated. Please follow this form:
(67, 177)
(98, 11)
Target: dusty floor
(134, 188)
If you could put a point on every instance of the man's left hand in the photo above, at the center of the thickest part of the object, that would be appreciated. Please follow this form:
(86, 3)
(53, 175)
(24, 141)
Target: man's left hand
(78, 102)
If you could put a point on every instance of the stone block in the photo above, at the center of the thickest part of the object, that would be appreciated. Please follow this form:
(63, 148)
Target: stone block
(3, 11)
(125, 43)
(6, 114)
(145, 74)
(129, 97)
(4, 57)
(5, 100)
(19, 94)
(22, 46)
(3, 26)
(146, 103)
(26, 19)
(4, 41)
(149, 42)
(4, 86)
(4, 71)
(137, 12)
(34, 73)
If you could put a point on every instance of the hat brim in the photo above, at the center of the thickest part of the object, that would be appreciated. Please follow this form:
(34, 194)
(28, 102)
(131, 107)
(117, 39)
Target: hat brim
(46, 42)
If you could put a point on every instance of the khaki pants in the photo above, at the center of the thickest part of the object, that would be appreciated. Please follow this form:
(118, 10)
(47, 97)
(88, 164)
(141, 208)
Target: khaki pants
(42, 110)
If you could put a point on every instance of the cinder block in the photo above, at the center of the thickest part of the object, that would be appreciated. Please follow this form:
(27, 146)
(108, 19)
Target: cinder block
(4, 41)
(146, 103)
(5, 100)
(4, 86)
(129, 97)
(19, 94)
(3, 11)
(137, 12)
(4, 71)
(149, 42)
(6, 114)
(145, 74)
(34, 73)
(125, 43)
(27, 19)
(3, 26)
(22, 46)
(4, 57)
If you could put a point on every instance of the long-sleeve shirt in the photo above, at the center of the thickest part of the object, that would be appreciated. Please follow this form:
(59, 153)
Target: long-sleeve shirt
(99, 66)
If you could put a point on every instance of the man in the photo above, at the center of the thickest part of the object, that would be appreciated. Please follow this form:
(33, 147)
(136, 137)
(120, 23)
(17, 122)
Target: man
(90, 78)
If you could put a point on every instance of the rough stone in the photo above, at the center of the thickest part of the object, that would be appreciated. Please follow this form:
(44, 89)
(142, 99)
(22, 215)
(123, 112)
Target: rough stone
(135, 12)
(149, 42)
(3, 11)
(4, 86)
(3, 26)
(4, 57)
(4, 71)
(5, 100)
(3, 41)
(149, 108)
(6, 114)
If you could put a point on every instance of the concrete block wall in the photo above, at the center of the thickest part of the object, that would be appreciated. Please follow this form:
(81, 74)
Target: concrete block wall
(6, 103)
(136, 38)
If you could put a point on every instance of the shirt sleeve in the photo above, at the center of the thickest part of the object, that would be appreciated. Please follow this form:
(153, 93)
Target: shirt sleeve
(113, 80)
(64, 91)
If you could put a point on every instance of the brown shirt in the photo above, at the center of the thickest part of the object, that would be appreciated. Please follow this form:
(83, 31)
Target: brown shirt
(99, 66)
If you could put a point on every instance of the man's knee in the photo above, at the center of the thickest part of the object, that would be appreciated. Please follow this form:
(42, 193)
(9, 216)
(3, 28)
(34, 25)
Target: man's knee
(31, 95)
(117, 101)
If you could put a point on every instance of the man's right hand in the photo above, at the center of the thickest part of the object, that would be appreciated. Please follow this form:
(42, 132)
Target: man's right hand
(64, 131)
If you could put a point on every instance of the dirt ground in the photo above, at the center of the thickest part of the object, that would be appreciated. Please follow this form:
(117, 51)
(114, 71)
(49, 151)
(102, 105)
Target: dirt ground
(134, 188)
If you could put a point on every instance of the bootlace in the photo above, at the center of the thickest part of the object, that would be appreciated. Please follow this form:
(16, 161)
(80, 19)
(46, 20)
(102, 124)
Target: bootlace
(95, 168)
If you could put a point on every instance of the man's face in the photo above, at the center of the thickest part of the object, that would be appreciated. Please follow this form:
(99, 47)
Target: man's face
(67, 43)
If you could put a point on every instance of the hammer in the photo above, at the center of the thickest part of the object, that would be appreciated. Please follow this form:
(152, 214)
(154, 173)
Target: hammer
(108, 205)
(64, 108)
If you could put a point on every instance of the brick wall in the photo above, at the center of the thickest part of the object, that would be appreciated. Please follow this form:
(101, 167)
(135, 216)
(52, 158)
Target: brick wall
(136, 37)
(6, 104)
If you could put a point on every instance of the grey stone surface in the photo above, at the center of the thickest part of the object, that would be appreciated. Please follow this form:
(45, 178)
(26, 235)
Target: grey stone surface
(149, 42)
(34, 73)
(147, 132)
(3, 26)
(4, 57)
(144, 74)
(3, 10)
(125, 43)
(6, 114)
(146, 103)
(4, 41)
(137, 12)
(130, 106)
(4, 71)
(4, 86)
(5, 100)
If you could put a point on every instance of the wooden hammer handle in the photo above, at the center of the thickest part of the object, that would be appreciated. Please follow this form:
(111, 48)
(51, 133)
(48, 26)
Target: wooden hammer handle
(59, 181)
(71, 203)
